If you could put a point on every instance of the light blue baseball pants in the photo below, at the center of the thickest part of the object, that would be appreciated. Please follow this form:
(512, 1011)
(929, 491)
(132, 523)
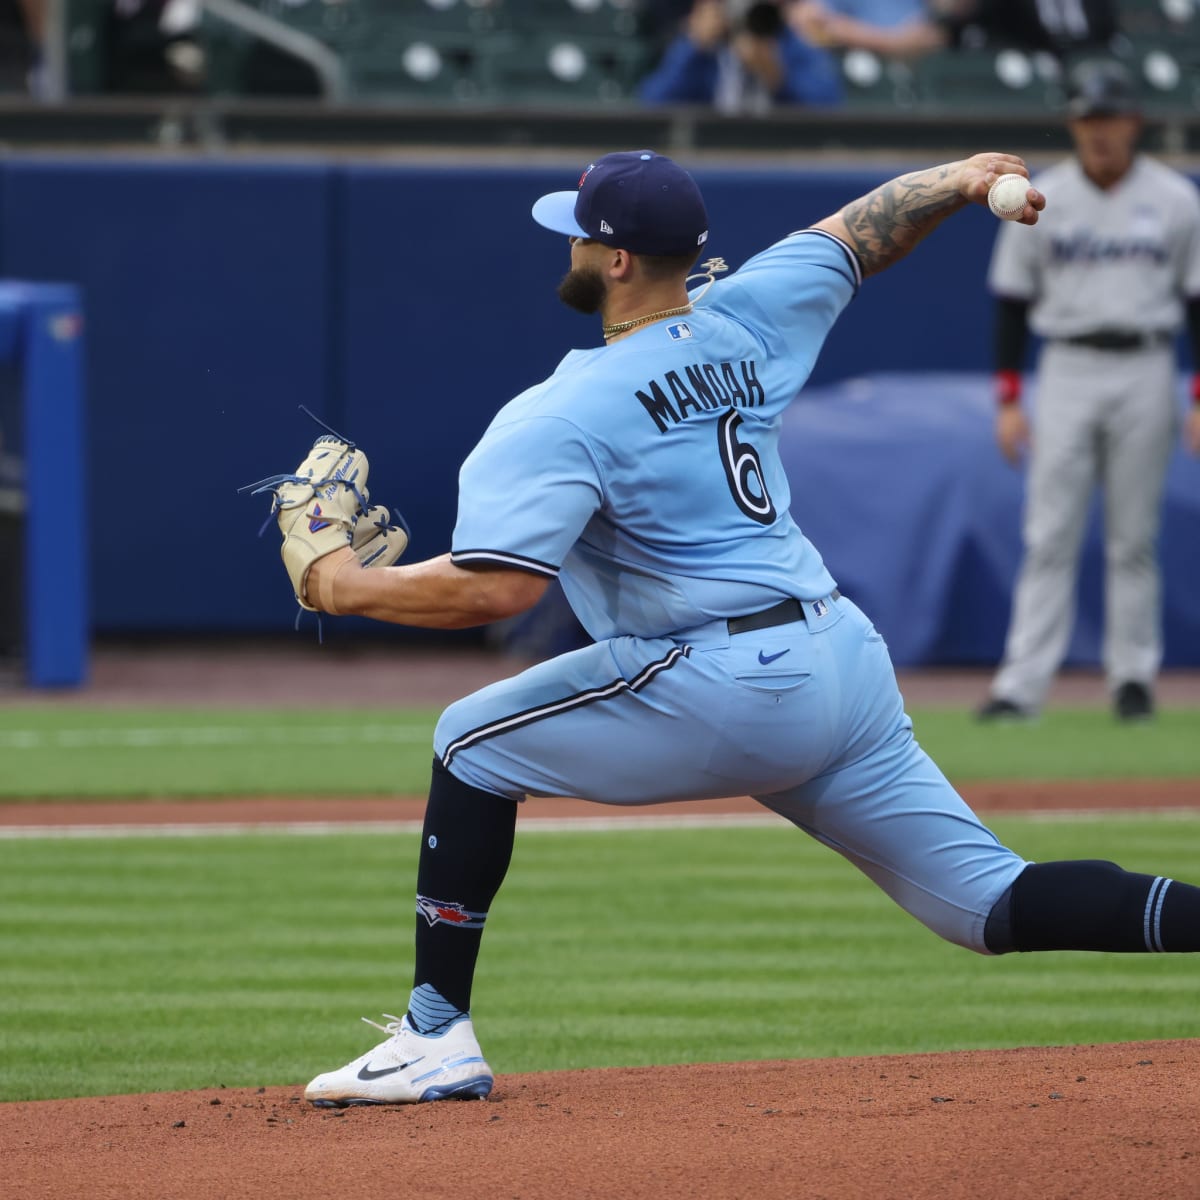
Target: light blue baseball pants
(806, 717)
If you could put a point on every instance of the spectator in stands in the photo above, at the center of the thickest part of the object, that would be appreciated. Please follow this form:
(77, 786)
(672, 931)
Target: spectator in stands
(152, 47)
(1033, 25)
(741, 58)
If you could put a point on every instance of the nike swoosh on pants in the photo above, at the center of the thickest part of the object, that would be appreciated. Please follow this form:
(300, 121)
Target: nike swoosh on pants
(767, 659)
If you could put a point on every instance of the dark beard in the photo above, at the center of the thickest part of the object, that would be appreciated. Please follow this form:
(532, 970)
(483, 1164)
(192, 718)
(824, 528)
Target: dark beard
(582, 288)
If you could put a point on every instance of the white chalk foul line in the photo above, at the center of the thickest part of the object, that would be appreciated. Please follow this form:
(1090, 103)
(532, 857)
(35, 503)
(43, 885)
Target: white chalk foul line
(524, 824)
(209, 735)
(309, 828)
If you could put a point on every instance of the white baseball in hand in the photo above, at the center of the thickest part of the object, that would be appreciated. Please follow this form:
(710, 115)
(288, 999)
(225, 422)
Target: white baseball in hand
(1006, 197)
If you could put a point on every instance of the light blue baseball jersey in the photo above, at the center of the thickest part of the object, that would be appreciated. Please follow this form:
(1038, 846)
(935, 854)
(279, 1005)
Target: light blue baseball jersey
(646, 475)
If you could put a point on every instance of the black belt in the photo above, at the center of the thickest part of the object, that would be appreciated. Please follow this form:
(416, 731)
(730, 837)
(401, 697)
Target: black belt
(783, 613)
(1120, 340)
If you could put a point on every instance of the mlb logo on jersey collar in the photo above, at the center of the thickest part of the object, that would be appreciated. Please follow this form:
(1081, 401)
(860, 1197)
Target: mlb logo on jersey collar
(679, 331)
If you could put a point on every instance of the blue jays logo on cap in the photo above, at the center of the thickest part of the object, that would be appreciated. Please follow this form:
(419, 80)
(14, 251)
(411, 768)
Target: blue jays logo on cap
(636, 200)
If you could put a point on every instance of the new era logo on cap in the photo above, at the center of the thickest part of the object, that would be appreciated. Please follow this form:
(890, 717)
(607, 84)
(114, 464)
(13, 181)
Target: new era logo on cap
(636, 200)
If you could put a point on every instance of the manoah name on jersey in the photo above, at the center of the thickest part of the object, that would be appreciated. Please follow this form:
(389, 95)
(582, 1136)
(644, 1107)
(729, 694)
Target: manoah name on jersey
(701, 387)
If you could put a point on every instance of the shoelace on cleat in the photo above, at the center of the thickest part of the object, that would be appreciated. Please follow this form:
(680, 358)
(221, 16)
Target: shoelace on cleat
(394, 1024)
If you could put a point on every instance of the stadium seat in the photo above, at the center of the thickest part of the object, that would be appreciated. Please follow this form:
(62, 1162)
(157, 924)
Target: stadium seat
(579, 18)
(583, 52)
(563, 68)
(989, 80)
(872, 82)
(1167, 67)
(425, 66)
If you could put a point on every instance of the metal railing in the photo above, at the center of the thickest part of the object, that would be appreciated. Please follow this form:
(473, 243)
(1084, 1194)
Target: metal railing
(54, 77)
(327, 65)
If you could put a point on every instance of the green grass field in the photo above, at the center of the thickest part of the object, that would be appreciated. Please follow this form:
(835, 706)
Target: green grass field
(56, 752)
(154, 963)
(163, 963)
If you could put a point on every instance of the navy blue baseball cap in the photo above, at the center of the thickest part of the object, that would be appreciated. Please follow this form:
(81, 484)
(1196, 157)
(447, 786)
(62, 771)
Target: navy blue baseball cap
(635, 200)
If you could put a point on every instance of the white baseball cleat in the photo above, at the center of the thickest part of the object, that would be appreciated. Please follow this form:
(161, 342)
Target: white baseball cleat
(408, 1068)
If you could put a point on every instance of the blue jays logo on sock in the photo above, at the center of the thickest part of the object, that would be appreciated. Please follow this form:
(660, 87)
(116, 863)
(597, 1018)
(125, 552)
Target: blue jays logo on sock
(449, 912)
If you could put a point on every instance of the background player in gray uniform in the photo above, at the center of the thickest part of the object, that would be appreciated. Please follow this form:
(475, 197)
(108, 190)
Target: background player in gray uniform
(645, 475)
(1107, 279)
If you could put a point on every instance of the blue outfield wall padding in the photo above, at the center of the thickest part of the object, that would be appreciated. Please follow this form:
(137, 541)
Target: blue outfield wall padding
(404, 304)
(49, 336)
(207, 290)
(449, 311)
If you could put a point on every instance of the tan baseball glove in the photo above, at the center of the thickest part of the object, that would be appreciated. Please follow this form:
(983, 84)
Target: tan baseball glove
(323, 506)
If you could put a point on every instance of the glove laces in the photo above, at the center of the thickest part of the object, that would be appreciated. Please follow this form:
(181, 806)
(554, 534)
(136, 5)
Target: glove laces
(273, 483)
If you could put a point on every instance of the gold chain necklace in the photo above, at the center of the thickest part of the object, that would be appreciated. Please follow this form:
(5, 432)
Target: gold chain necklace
(611, 331)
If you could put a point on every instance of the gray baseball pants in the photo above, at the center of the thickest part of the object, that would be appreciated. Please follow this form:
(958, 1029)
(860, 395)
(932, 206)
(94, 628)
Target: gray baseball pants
(1107, 419)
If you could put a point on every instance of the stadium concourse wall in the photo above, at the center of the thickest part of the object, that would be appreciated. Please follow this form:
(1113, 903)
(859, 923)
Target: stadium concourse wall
(404, 303)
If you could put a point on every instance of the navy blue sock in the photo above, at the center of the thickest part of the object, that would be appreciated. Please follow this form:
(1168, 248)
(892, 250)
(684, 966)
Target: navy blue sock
(466, 846)
(1094, 905)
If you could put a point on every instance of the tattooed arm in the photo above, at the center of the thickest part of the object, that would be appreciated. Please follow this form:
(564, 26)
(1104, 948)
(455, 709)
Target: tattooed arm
(884, 225)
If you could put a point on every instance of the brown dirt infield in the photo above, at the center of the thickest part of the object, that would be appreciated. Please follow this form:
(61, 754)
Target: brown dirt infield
(1102, 1122)
(1083, 1121)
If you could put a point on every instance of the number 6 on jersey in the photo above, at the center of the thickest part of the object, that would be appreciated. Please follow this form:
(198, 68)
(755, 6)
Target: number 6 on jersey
(743, 470)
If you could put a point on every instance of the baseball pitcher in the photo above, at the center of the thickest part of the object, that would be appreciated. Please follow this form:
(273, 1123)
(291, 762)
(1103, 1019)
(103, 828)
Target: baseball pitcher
(644, 474)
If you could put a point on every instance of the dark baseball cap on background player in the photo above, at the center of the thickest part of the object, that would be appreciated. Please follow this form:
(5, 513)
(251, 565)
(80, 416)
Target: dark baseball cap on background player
(634, 200)
(1101, 89)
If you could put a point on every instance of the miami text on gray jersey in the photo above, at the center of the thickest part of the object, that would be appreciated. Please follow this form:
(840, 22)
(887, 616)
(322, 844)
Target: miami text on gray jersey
(1087, 247)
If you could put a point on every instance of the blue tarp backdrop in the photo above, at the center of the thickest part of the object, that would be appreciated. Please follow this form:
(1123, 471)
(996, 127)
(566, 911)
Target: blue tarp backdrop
(405, 304)
(898, 481)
